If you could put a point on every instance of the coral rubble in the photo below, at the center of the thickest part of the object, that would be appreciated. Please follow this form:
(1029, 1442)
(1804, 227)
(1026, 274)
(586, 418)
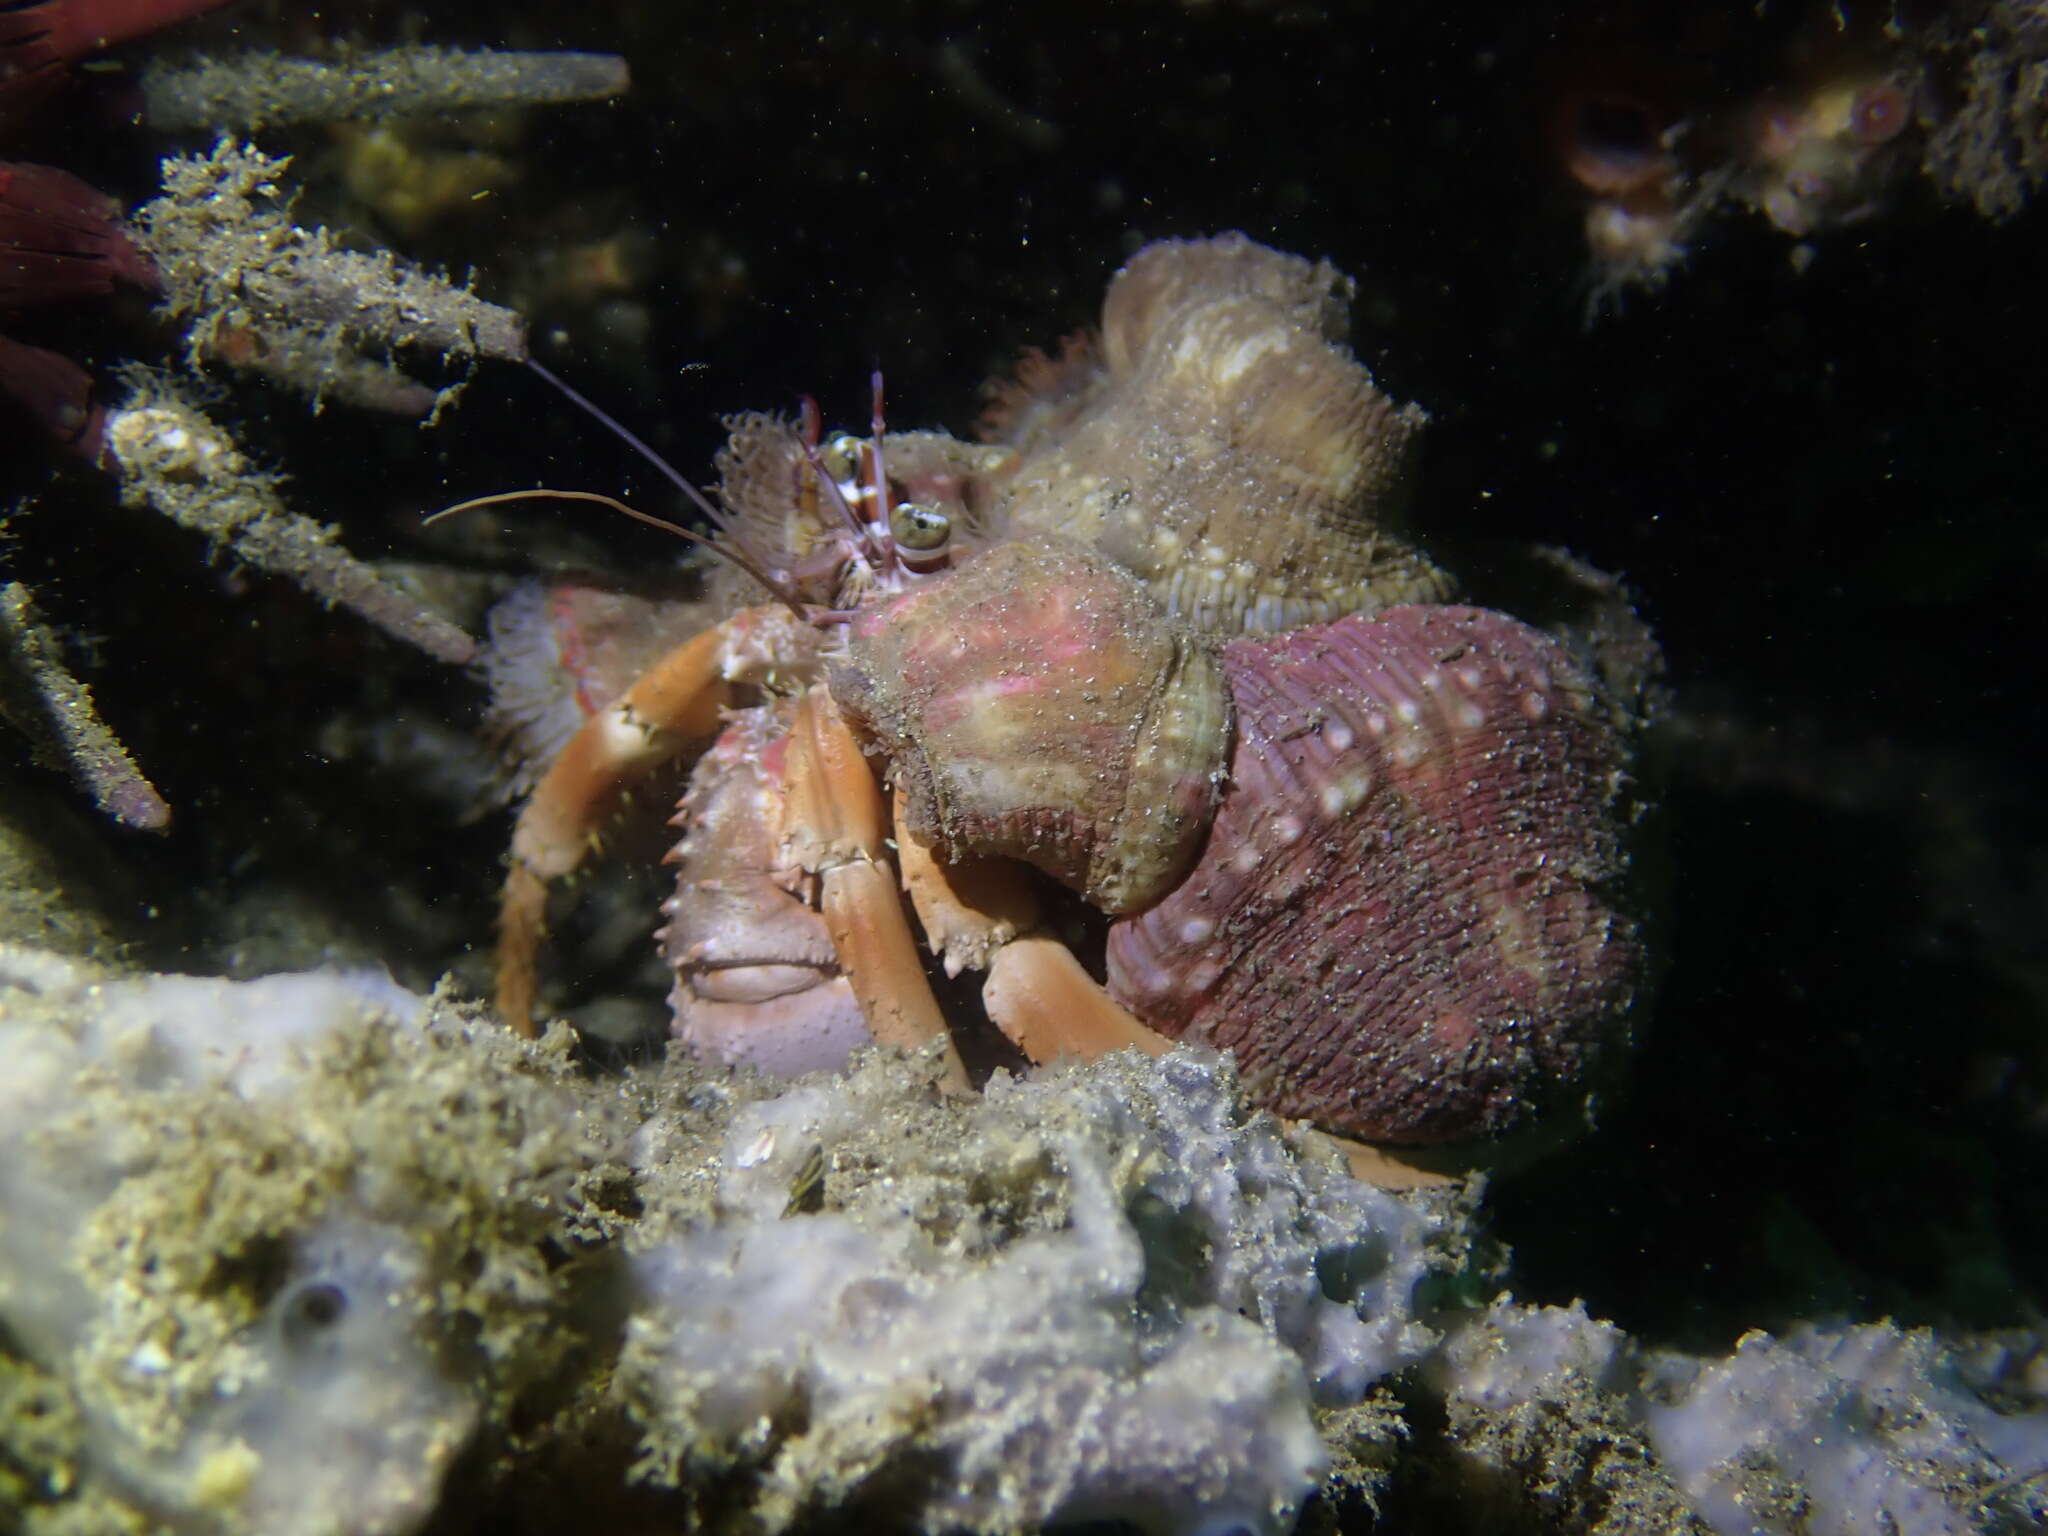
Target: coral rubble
(1827, 1430)
(283, 1242)
(1106, 1293)
(175, 460)
(243, 284)
(1991, 148)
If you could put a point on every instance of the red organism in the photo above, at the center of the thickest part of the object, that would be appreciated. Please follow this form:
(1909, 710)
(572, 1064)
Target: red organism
(41, 39)
(1610, 114)
(59, 239)
(1880, 113)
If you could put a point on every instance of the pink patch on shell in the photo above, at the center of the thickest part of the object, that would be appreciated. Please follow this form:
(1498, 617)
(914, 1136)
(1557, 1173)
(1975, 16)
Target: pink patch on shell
(1430, 940)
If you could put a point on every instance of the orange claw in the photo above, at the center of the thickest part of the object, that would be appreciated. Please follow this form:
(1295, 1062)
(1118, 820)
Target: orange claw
(968, 907)
(674, 705)
(1040, 997)
(981, 912)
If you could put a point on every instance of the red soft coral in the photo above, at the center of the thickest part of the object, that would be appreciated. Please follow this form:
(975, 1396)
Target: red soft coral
(41, 39)
(59, 240)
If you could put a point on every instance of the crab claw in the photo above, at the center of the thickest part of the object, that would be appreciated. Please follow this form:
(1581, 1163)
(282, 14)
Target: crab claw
(757, 977)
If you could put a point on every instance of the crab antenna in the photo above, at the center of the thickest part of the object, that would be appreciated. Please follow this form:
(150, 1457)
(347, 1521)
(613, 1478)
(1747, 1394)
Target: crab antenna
(625, 434)
(881, 486)
(813, 429)
(784, 593)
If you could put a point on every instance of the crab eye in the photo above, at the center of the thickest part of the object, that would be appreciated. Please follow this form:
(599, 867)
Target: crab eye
(841, 456)
(918, 527)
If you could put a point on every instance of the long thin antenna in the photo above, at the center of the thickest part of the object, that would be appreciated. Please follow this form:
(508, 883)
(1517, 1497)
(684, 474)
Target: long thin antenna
(703, 503)
(782, 590)
(881, 486)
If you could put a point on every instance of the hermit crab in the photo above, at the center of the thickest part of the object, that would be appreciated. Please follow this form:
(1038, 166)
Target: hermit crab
(1159, 655)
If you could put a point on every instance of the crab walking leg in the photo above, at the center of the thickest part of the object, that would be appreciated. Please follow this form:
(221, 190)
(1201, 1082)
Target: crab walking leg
(837, 829)
(672, 705)
(984, 913)
(1040, 997)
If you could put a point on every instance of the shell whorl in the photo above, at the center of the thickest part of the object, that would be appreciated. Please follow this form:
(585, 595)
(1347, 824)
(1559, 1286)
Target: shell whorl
(1223, 445)
(1407, 921)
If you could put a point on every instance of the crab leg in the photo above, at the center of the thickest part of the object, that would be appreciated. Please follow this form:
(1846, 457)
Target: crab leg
(674, 704)
(982, 912)
(838, 828)
(1041, 998)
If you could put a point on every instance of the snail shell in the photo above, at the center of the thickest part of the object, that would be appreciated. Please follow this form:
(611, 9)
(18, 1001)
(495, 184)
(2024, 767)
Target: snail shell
(1221, 443)
(1405, 922)
(1038, 706)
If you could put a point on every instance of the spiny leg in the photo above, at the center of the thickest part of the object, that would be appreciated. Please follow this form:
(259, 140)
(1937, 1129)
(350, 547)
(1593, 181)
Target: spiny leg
(673, 705)
(838, 828)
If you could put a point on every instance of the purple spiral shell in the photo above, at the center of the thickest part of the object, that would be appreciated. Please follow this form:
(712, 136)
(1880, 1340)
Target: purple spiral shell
(1405, 921)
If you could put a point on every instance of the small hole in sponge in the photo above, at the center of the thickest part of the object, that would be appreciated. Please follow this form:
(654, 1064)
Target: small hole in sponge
(311, 1310)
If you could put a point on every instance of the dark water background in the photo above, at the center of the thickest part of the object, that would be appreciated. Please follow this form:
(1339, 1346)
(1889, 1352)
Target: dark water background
(1826, 487)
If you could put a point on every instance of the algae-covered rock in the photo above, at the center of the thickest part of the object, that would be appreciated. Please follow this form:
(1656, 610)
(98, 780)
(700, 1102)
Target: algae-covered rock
(314, 1254)
(1104, 1293)
(289, 1242)
(291, 1251)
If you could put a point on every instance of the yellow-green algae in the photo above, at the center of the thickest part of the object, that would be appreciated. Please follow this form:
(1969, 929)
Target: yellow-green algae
(316, 1255)
(313, 1254)
(435, 1151)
